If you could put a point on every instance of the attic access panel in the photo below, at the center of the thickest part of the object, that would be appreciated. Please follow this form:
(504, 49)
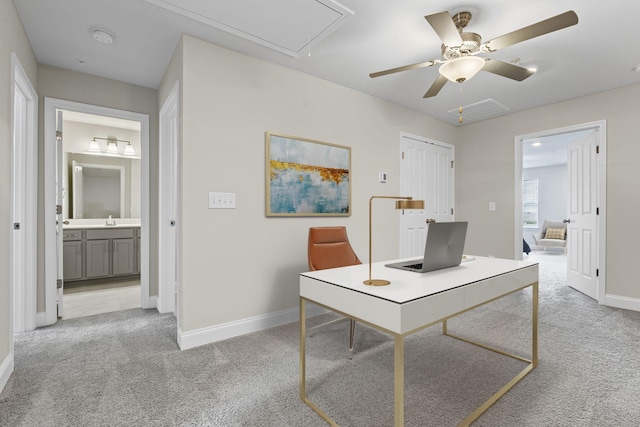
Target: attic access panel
(287, 26)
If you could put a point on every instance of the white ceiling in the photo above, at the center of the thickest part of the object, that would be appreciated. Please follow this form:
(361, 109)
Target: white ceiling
(595, 55)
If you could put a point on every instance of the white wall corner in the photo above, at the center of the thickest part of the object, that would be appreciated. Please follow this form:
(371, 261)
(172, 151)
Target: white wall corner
(618, 301)
(199, 337)
(5, 370)
(41, 319)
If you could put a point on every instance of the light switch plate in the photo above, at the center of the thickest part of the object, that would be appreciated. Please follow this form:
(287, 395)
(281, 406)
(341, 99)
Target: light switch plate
(492, 206)
(222, 200)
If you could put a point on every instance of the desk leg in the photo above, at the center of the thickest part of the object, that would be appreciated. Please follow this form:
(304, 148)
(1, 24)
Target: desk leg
(398, 386)
(303, 327)
(534, 325)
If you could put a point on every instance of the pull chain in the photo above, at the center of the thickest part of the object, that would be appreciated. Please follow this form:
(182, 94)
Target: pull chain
(460, 110)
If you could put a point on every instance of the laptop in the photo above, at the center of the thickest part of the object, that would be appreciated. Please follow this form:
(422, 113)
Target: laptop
(443, 248)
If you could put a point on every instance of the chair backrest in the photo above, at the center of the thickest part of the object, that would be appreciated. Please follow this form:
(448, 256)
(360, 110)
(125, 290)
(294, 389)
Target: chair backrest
(552, 223)
(329, 247)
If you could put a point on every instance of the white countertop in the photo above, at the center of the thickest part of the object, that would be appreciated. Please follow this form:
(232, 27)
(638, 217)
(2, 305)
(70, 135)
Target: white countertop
(78, 224)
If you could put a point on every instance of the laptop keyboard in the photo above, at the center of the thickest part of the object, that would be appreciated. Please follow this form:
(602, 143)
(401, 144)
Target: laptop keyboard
(415, 266)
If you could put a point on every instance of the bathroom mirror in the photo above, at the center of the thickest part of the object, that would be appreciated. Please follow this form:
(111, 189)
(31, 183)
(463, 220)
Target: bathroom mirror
(98, 190)
(99, 186)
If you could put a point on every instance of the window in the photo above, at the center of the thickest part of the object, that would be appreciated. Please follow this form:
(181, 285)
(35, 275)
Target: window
(530, 203)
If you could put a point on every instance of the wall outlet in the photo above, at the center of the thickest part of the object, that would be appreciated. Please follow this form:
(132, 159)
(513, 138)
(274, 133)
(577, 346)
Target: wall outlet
(492, 206)
(382, 177)
(222, 200)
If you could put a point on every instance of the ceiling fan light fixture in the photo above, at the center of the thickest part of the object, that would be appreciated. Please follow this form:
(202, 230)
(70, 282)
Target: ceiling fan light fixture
(461, 69)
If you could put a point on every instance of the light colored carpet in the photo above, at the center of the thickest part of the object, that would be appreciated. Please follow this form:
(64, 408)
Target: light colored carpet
(125, 369)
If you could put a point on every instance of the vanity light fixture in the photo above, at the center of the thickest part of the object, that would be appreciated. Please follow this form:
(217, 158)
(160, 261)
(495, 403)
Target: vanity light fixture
(112, 146)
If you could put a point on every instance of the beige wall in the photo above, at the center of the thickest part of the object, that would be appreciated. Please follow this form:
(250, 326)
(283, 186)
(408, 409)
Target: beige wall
(485, 172)
(237, 263)
(12, 39)
(79, 87)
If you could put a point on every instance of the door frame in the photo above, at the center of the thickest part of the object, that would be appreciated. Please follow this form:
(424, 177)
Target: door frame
(601, 197)
(49, 133)
(168, 183)
(23, 293)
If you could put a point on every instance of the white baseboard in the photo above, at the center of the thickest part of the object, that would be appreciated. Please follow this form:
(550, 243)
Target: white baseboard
(622, 302)
(153, 301)
(191, 339)
(5, 370)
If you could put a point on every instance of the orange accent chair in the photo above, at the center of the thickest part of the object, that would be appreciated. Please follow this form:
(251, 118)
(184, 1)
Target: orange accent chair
(329, 247)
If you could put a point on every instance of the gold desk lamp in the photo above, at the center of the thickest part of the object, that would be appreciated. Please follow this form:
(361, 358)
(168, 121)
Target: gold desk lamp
(401, 203)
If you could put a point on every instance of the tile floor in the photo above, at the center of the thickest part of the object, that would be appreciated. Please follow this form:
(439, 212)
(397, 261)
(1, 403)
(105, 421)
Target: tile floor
(86, 300)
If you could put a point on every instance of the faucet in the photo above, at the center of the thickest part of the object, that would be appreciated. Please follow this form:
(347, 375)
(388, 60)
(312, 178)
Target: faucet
(110, 221)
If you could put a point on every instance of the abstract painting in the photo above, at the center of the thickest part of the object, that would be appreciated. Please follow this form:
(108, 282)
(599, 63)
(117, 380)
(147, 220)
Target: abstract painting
(307, 177)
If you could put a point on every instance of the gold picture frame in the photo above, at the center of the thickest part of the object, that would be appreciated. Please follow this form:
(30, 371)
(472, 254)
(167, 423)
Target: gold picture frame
(305, 177)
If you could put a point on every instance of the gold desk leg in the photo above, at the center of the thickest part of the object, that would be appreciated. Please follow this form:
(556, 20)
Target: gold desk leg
(534, 325)
(303, 367)
(303, 327)
(398, 382)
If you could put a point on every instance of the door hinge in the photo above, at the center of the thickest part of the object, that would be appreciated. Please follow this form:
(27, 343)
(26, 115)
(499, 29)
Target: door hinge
(451, 164)
(597, 272)
(597, 211)
(451, 211)
(597, 149)
(16, 226)
(58, 135)
(58, 209)
(403, 155)
(59, 283)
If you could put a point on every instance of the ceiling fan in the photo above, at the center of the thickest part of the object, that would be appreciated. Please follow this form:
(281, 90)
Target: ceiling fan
(459, 49)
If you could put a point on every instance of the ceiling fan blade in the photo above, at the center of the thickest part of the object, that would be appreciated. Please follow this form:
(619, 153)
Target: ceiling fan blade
(404, 68)
(435, 87)
(550, 25)
(445, 28)
(506, 69)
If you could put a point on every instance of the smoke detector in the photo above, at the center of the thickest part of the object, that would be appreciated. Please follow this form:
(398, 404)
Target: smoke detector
(102, 36)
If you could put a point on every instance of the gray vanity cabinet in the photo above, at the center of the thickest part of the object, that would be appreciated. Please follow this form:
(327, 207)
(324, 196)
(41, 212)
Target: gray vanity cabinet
(123, 256)
(72, 255)
(100, 253)
(97, 258)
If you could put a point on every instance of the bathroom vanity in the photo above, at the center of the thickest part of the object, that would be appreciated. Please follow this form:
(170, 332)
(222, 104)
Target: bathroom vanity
(101, 251)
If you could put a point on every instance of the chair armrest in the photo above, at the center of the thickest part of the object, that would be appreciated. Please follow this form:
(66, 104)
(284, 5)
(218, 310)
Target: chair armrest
(536, 237)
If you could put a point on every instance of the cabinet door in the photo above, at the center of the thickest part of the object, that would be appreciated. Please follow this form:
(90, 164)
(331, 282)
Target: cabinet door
(97, 258)
(123, 256)
(72, 260)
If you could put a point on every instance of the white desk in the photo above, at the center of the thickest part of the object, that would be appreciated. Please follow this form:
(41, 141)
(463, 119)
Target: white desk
(414, 301)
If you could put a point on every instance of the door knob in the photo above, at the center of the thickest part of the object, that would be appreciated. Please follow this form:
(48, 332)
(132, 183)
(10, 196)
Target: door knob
(566, 221)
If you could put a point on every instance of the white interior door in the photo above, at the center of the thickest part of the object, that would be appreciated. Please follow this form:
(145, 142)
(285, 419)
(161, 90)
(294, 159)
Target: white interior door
(24, 164)
(59, 216)
(168, 217)
(582, 229)
(426, 173)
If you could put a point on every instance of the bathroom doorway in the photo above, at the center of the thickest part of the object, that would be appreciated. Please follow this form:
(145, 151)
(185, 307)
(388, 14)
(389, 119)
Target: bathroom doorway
(128, 256)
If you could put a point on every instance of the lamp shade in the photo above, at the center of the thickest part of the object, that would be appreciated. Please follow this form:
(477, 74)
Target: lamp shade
(94, 147)
(460, 69)
(112, 146)
(129, 151)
